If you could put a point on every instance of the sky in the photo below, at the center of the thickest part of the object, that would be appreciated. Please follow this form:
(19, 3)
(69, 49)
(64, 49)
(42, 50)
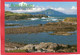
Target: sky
(64, 7)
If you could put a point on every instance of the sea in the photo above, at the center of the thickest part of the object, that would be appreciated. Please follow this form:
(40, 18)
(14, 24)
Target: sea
(36, 38)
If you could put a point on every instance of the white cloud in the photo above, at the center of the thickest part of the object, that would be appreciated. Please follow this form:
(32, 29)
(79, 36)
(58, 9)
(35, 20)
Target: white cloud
(59, 9)
(21, 4)
(6, 5)
(70, 11)
(73, 8)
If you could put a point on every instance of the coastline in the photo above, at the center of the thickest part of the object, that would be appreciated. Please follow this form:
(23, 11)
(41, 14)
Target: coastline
(51, 26)
(58, 28)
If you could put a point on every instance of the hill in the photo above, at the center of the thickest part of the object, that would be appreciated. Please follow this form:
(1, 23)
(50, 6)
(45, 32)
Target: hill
(20, 16)
(53, 13)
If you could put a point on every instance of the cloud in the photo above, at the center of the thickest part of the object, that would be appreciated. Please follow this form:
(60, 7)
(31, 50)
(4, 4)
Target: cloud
(73, 8)
(59, 9)
(21, 4)
(6, 5)
(70, 11)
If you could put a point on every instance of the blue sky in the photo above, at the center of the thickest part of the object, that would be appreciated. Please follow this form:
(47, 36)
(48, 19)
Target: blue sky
(65, 7)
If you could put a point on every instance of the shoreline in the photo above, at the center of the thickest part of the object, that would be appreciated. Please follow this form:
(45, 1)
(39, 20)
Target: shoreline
(51, 26)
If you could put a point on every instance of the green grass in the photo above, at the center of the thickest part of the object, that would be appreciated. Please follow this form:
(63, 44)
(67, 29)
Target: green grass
(16, 51)
(20, 16)
(70, 19)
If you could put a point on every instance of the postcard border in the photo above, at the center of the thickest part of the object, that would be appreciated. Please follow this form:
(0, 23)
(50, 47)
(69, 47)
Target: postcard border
(3, 26)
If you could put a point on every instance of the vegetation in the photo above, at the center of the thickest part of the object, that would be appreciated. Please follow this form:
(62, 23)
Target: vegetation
(70, 19)
(20, 16)
(16, 51)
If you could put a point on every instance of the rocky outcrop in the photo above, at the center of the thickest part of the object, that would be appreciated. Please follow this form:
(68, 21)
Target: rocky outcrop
(71, 20)
(61, 33)
(47, 47)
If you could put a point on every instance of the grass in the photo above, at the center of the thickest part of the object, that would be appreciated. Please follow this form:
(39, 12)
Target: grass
(70, 19)
(16, 51)
(18, 16)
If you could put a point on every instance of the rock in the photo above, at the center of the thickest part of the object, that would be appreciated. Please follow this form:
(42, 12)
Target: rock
(40, 25)
(16, 47)
(61, 50)
(45, 47)
(38, 51)
(50, 50)
(41, 50)
(61, 33)
(41, 45)
(53, 46)
(29, 48)
(62, 45)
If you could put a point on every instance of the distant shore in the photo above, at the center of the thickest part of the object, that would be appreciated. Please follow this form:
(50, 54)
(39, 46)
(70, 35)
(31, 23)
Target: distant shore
(20, 16)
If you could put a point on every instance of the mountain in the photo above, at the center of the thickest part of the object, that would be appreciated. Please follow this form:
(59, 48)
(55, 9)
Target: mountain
(50, 12)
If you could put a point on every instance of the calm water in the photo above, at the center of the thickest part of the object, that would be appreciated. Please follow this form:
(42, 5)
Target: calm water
(38, 37)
